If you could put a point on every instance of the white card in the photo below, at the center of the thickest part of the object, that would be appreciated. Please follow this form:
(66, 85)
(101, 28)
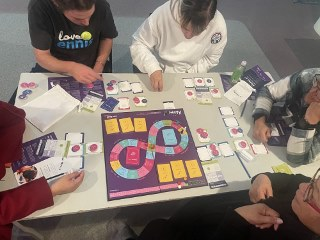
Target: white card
(140, 101)
(136, 87)
(235, 132)
(209, 82)
(91, 101)
(74, 138)
(203, 135)
(112, 90)
(75, 150)
(259, 148)
(168, 105)
(215, 93)
(123, 103)
(188, 82)
(226, 111)
(230, 122)
(190, 94)
(241, 144)
(245, 156)
(226, 150)
(199, 82)
(93, 148)
(203, 153)
(214, 150)
(204, 98)
(239, 92)
(125, 86)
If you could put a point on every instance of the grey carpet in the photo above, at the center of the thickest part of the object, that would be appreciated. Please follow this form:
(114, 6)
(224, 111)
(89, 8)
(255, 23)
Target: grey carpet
(306, 50)
(314, 2)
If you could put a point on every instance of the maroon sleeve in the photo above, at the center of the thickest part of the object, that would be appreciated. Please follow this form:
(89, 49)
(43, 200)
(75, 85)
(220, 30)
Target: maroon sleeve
(19, 202)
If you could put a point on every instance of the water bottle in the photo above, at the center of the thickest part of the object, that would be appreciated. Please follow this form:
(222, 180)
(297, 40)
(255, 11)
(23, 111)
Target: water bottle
(238, 72)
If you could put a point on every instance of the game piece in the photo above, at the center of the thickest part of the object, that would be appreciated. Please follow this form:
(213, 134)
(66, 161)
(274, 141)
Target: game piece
(209, 82)
(189, 94)
(199, 82)
(140, 101)
(93, 148)
(235, 132)
(215, 93)
(241, 145)
(202, 135)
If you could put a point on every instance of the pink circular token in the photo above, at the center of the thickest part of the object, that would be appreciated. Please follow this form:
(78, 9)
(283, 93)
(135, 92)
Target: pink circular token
(204, 134)
(90, 85)
(75, 148)
(242, 144)
(199, 81)
(24, 85)
(213, 147)
(136, 100)
(234, 130)
(110, 88)
(200, 130)
(215, 152)
(190, 93)
(93, 147)
(32, 85)
(113, 81)
(214, 90)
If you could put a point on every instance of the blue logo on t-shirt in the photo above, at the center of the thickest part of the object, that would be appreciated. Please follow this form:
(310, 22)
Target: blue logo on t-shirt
(74, 41)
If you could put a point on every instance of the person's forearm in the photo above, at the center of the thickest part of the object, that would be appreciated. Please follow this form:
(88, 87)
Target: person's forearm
(52, 64)
(104, 51)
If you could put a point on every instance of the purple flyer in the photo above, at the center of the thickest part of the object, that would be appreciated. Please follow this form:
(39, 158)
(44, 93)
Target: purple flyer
(76, 89)
(149, 152)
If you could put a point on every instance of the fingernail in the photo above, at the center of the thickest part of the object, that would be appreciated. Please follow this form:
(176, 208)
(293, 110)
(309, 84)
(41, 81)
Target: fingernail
(275, 226)
(279, 221)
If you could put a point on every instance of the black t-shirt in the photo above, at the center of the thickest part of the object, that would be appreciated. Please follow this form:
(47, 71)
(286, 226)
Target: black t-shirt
(50, 29)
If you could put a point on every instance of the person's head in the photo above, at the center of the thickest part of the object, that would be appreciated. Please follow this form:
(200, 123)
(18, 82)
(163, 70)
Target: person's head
(306, 203)
(77, 11)
(196, 15)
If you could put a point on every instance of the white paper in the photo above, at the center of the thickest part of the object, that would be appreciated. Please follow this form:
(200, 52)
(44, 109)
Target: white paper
(239, 93)
(49, 108)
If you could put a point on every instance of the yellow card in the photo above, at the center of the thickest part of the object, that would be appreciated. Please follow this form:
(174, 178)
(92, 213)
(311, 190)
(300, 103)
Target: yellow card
(126, 125)
(112, 126)
(193, 168)
(140, 124)
(115, 165)
(164, 173)
(282, 168)
(178, 169)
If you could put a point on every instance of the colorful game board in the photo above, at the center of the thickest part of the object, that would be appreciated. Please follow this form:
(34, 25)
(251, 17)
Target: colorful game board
(149, 152)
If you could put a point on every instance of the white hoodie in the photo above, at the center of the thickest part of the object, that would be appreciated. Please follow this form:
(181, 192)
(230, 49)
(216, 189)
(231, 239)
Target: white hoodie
(159, 43)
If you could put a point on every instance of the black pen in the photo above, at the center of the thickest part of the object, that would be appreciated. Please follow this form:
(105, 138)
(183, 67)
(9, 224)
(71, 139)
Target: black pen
(244, 167)
(244, 107)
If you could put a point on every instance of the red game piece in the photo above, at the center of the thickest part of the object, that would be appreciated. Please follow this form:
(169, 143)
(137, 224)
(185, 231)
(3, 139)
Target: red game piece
(93, 147)
(90, 85)
(75, 148)
(215, 152)
(204, 134)
(136, 100)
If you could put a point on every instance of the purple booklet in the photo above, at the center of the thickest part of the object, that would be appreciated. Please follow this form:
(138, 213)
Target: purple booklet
(256, 77)
(76, 89)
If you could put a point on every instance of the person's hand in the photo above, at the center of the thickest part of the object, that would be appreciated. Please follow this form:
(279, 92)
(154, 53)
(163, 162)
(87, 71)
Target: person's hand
(84, 74)
(68, 183)
(261, 188)
(312, 96)
(312, 115)
(261, 131)
(260, 215)
(157, 81)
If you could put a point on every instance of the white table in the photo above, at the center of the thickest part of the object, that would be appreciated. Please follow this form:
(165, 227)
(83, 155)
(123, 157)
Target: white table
(92, 194)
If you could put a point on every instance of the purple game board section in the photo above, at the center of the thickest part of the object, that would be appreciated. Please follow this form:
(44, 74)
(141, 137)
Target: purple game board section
(123, 187)
(29, 149)
(76, 89)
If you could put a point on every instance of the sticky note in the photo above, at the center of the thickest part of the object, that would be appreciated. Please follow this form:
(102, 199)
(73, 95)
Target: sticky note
(164, 173)
(140, 124)
(178, 169)
(126, 125)
(193, 168)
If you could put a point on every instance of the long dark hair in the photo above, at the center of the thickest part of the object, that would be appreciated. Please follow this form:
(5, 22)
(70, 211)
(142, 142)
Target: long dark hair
(198, 13)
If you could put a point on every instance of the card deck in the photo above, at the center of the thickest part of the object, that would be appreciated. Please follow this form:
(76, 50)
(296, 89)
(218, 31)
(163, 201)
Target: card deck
(109, 104)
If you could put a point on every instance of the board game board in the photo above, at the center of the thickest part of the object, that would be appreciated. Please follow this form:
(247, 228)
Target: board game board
(149, 152)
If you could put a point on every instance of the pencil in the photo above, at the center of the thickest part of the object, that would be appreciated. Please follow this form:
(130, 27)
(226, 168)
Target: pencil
(244, 167)
(244, 107)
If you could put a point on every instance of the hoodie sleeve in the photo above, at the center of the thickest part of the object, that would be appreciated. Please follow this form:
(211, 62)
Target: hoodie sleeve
(218, 41)
(143, 43)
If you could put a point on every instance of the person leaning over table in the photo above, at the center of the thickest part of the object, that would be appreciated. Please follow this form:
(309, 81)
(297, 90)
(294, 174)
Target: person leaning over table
(301, 94)
(71, 36)
(283, 206)
(19, 202)
(181, 36)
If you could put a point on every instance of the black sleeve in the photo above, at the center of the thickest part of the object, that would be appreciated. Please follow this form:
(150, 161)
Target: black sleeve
(281, 181)
(233, 226)
(39, 26)
(109, 29)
